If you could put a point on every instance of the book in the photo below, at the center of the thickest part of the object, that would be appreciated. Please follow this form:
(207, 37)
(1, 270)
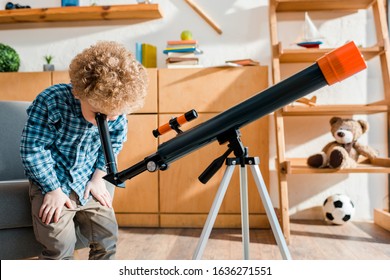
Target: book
(178, 54)
(182, 42)
(170, 65)
(181, 46)
(181, 59)
(243, 62)
(189, 48)
(183, 50)
(149, 56)
(138, 52)
(227, 64)
(185, 62)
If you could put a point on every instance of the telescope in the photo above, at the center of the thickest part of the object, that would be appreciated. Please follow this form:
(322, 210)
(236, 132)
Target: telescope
(331, 68)
(105, 139)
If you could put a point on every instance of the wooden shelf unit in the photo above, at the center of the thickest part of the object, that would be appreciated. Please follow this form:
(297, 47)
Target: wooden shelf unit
(288, 166)
(81, 13)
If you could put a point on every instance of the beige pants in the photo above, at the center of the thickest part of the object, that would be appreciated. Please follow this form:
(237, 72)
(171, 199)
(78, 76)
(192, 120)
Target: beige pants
(96, 223)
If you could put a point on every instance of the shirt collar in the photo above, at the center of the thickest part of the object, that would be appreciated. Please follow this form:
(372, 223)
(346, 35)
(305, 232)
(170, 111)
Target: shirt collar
(76, 109)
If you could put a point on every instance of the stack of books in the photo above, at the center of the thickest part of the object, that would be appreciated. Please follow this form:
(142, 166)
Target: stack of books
(182, 54)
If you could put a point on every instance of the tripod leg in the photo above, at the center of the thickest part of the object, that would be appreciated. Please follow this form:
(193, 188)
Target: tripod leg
(213, 212)
(270, 212)
(244, 210)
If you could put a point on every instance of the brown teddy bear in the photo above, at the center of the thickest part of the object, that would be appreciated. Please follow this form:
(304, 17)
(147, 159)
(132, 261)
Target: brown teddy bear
(344, 152)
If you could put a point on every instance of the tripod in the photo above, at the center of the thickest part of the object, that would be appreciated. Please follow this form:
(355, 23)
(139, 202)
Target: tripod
(243, 160)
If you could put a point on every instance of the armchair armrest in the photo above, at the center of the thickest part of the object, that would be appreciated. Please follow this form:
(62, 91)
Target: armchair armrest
(15, 209)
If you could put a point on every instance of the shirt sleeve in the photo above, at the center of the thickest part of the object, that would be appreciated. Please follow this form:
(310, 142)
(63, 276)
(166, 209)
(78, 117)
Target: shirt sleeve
(38, 134)
(118, 135)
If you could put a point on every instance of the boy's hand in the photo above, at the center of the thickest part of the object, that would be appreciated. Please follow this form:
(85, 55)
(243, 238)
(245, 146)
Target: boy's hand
(98, 189)
(52, 205)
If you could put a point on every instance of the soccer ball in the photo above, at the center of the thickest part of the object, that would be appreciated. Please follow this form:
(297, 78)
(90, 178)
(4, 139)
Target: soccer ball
(338, 209)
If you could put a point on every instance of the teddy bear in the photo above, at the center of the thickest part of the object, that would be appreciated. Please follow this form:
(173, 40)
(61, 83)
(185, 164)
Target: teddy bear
(345, 150)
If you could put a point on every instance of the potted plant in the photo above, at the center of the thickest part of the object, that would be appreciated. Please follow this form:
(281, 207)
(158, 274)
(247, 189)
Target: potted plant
(48, 66)
(9, 59)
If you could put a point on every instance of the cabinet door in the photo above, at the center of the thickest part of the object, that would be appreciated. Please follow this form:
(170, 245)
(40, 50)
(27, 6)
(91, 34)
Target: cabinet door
(137, 203)
(185, 201)
(208, 89)
(23, 86)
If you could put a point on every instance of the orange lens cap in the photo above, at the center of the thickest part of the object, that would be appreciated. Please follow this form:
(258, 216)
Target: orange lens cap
(341, 63)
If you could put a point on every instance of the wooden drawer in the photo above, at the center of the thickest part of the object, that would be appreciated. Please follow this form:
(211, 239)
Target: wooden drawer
(208, 89)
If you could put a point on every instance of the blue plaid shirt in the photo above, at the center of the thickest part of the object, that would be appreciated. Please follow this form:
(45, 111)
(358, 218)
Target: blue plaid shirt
(59, 148)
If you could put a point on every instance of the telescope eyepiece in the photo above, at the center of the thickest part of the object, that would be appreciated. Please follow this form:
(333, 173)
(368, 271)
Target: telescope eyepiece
(191, 115)
(105, 139)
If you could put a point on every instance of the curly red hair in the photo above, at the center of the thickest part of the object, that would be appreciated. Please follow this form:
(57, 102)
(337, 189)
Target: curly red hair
(109, 78)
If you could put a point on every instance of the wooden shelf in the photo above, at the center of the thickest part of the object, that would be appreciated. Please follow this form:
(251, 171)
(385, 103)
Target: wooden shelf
(321, 5)
(299, 166)
(311, 55)
(87, 13)
(328, 110)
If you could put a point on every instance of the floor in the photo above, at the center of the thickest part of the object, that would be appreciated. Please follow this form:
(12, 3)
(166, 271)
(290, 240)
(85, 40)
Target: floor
(310, 240)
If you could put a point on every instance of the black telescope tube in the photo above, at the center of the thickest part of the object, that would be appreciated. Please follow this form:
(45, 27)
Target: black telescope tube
(254, 108)
(250, 110)
(304, 82)
(101, 121)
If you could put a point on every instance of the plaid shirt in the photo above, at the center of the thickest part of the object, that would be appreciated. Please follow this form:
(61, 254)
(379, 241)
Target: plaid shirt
(59, 148)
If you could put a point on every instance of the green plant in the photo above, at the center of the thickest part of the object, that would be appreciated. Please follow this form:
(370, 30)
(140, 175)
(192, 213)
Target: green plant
(48, 58)
(9, 59)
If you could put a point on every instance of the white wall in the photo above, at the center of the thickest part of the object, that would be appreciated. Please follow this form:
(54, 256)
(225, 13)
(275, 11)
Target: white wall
(244, 26)
(245, 34)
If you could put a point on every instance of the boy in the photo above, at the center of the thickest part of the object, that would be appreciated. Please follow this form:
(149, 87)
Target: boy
(62, 155)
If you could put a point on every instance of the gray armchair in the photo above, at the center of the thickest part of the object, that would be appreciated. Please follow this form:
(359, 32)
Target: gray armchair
(17, 240)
